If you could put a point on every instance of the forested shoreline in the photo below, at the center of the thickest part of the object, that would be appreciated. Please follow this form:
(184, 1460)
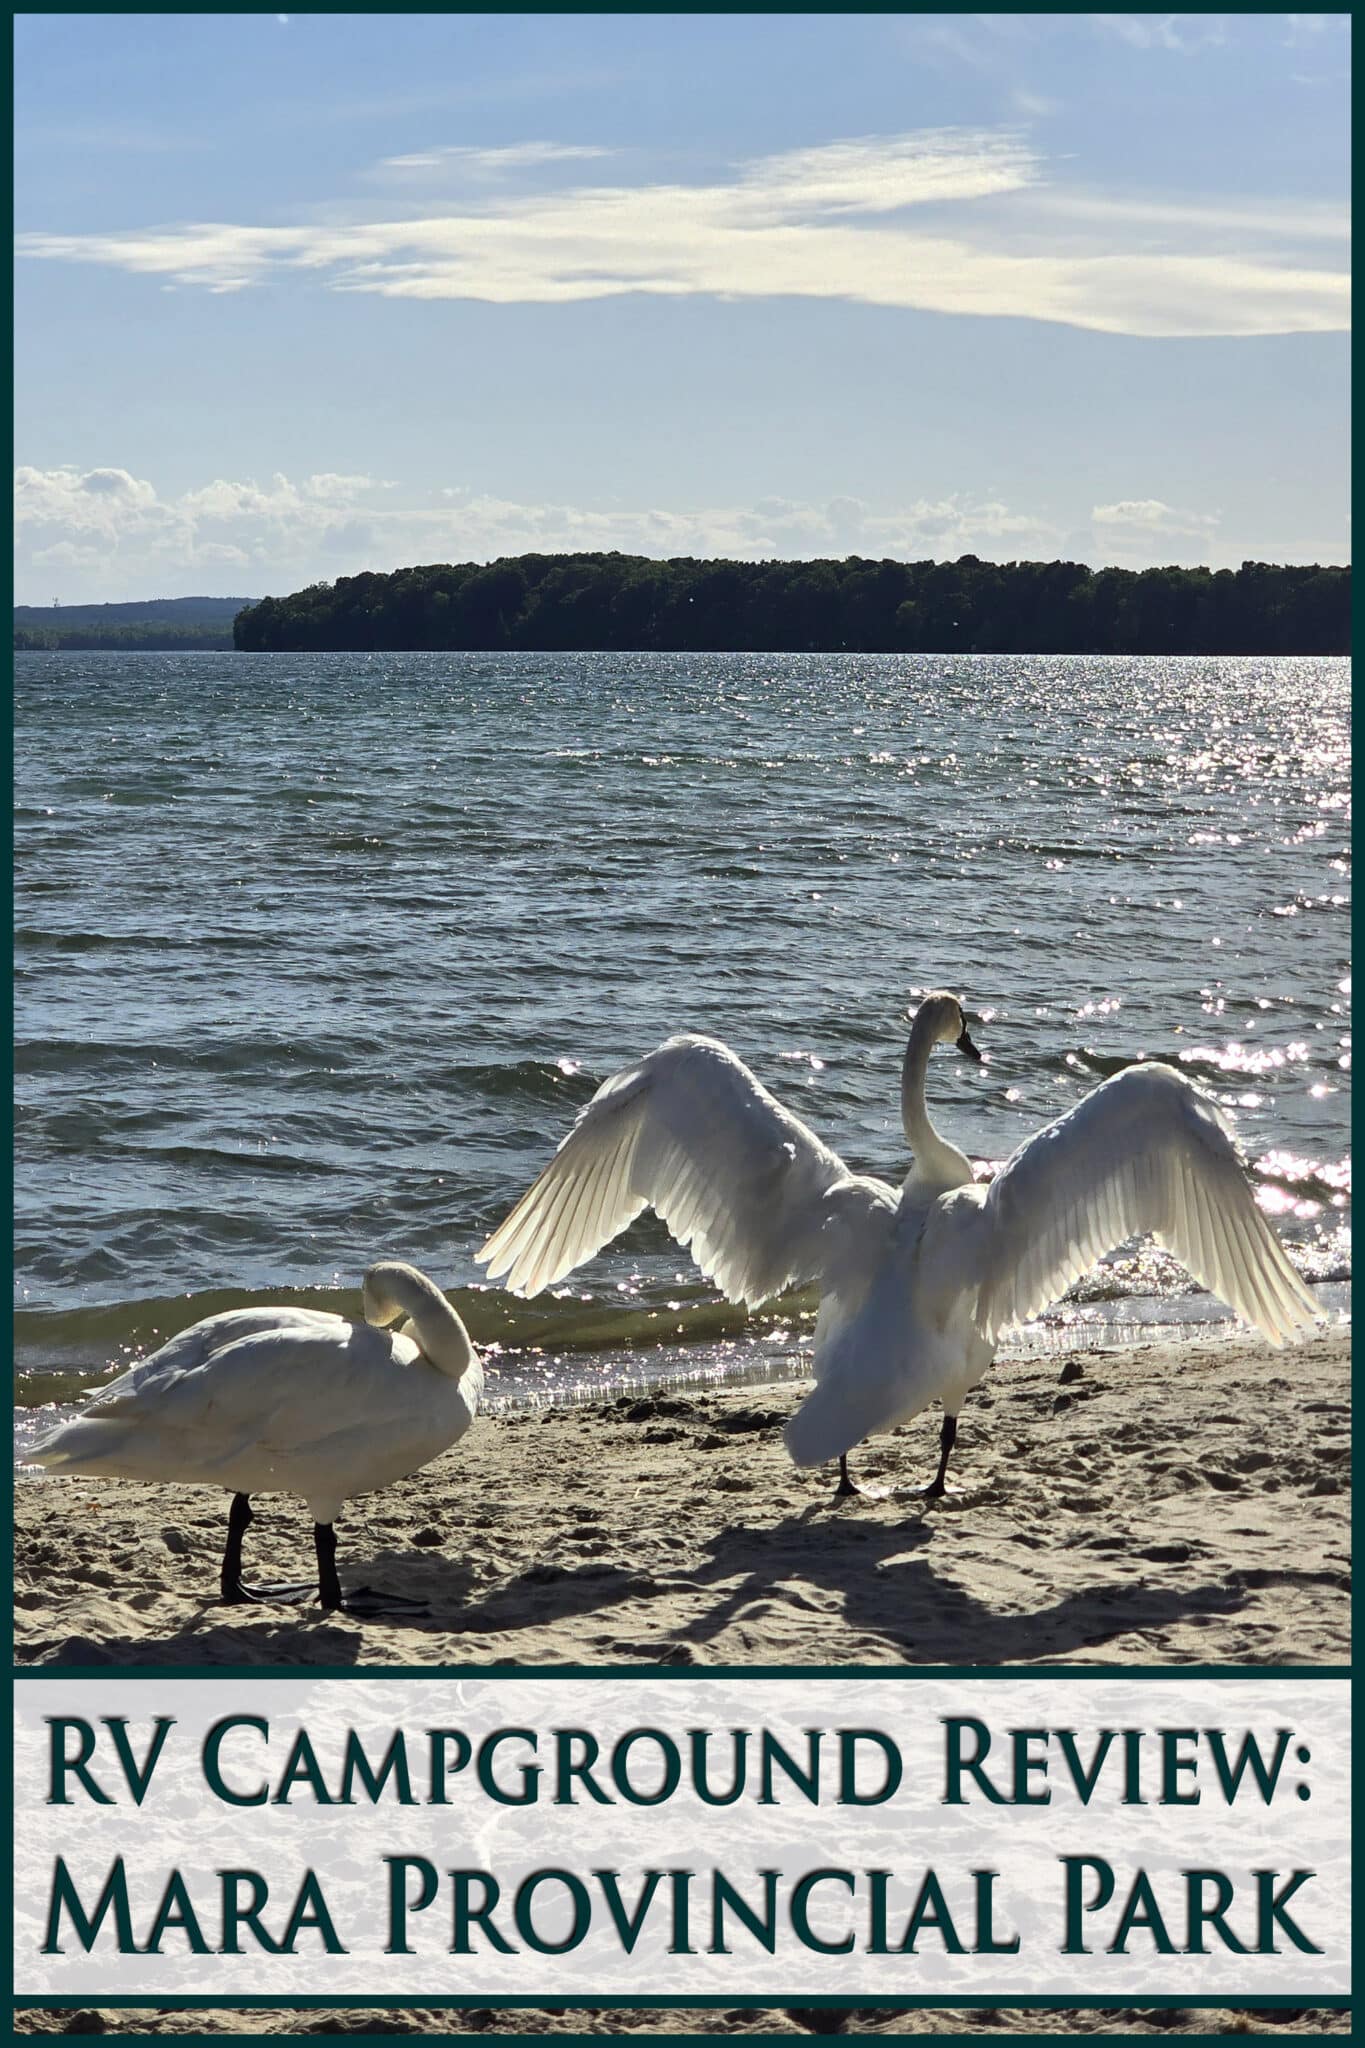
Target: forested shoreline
(149, 625)
(122, 640)
(618, 603)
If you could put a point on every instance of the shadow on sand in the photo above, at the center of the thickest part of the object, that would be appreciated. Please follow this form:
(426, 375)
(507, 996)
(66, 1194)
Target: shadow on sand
(881, 1576)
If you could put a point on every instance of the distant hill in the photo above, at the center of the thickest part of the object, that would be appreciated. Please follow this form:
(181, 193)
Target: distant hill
(171, 624)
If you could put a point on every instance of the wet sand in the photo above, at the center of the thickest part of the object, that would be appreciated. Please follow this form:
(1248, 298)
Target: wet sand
(1181, 1503)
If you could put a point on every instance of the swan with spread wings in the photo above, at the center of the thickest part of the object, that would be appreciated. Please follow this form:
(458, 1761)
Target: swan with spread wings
(917, 1284)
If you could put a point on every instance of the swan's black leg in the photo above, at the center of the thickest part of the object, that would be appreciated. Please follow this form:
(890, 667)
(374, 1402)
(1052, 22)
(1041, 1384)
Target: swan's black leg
(938, 1485)
(845, 1486)
(236, 1592)
(365, 1599)
(325, 1543)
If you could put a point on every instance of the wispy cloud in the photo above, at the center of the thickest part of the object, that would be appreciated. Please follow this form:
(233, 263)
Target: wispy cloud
(841, 221)
(492, 163)
(1308, 28)
(1223, 220)
(1182, 33)
(959, 42)
(1035, 106)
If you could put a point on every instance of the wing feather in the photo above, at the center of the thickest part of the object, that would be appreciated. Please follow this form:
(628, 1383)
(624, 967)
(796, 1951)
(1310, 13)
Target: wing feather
(691, 1133)
(1146, 1151)
(283, 1388)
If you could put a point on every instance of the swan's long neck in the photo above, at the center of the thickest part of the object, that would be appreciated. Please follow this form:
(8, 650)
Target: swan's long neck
(443, 1338)
(935, 1159)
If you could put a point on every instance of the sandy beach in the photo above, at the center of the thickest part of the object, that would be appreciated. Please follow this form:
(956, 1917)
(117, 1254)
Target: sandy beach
(1181, 1503)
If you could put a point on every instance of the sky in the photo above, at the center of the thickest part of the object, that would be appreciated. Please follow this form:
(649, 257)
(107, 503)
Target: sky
(304, 294)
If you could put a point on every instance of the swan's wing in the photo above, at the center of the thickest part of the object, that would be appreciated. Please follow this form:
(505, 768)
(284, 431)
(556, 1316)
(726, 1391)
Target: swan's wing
(692, 1134)
(189, 1350)
(1145, 1151)
(280, 1389)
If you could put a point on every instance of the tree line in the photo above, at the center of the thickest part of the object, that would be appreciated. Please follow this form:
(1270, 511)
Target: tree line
(615, 603)
(168, 625)
(148, 639)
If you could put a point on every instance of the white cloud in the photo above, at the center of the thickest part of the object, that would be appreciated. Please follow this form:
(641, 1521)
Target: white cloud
(1151, 515)
(1135, 533)
(843, 221)
(113, 502)
(280, 534)
(1213, 223)
(322, 497)
(90, 501)
(107, 533)
(118, 534)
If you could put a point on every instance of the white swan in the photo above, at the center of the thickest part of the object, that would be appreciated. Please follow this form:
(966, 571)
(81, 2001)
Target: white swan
(292, 1399)
(916, 1286)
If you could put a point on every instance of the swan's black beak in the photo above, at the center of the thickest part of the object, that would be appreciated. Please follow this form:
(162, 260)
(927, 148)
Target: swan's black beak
(964, 1044)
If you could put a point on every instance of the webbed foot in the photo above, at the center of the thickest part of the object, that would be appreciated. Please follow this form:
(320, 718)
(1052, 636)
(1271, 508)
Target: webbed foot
(236, 1593)
(372, 1602)
(848, 1488)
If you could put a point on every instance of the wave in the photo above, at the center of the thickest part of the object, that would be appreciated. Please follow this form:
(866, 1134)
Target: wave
(61, 1352)
(96, 1058)
(41, 938)
(52, 1345)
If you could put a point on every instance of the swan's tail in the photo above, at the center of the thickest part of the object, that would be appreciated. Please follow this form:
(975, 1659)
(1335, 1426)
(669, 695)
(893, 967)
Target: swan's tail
(812, 1435)
(83, 1448)
(837, 1414)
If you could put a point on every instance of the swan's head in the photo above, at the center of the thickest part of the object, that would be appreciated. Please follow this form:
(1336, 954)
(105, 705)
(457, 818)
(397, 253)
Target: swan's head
(384, 1285)
(940, 1017)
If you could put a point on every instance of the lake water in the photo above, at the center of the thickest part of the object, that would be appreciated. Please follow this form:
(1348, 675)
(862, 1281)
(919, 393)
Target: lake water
(318, 956)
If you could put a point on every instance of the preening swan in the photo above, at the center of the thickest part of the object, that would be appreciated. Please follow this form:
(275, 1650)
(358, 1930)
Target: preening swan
(291, 1399)
(916, 1285)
